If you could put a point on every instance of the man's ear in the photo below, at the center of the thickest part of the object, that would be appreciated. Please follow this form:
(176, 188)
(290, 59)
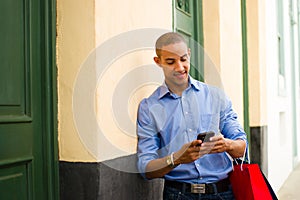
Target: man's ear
(157, 60)
(189, 52)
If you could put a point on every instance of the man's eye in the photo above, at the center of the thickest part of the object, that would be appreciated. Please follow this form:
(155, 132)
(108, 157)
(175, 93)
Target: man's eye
(183, 59)
(170, 62)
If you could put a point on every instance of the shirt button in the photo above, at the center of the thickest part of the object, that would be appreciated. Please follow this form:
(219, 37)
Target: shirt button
(186, 113)
(190, 130)
(197, 165)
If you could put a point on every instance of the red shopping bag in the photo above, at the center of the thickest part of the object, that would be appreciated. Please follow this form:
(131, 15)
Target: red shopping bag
(248, 183)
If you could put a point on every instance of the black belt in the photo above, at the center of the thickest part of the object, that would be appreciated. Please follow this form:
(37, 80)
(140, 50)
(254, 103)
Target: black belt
(208, 188)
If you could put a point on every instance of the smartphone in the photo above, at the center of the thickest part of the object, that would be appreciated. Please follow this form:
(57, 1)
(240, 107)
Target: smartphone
(204, 137)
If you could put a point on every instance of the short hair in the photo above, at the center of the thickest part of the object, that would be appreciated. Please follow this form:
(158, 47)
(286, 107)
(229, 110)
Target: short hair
(166, 39)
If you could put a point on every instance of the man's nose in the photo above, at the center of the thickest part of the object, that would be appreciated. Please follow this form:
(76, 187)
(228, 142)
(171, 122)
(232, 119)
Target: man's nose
(179, 66)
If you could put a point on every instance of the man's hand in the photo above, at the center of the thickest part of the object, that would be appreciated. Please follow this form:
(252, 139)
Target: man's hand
(189, 152)
(219, 144)
(192, 151)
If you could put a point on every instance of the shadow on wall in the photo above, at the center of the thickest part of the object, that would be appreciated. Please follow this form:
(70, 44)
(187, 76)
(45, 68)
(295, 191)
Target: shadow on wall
(92, 181)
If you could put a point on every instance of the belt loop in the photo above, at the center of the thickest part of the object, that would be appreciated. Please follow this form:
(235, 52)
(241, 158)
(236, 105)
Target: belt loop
(215, 188)
(183, 188)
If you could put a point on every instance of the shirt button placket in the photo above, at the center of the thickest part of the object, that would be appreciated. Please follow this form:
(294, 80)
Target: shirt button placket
(187, 116)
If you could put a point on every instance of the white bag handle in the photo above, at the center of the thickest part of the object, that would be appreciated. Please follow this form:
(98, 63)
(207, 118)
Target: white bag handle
(243, 159)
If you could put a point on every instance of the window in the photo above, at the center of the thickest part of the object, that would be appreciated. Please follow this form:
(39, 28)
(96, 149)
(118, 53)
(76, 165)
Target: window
(280, 43)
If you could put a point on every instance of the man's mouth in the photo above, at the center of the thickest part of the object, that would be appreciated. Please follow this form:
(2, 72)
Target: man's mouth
(180, 75)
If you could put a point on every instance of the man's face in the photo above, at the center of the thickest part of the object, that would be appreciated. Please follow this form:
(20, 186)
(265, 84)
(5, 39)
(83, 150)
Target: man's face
(174, 59)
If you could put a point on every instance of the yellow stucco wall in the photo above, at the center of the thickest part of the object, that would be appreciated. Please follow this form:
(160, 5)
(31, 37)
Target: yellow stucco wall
(83, 26)
(231, 53)
(75, 39)
(211, 27)
(223, 46)
(257, 63)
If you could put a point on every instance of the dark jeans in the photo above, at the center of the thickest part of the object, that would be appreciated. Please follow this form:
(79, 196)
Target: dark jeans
(175, 194)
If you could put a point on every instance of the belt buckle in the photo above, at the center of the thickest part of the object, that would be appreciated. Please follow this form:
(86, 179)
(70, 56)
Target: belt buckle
(198, 188)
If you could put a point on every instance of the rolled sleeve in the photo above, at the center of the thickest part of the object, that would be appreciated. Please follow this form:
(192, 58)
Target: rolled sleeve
(229, 124)
(148, 139)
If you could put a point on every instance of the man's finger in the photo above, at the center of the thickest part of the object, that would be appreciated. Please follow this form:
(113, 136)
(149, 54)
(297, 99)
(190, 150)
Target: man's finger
(196, 143)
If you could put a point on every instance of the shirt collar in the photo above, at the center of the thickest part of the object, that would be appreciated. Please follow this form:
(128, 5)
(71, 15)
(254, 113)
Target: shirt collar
(164, 90)
(194, 83)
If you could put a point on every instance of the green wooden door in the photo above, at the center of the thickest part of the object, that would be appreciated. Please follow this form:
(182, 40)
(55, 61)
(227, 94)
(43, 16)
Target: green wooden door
(27, 144)
(188, 22)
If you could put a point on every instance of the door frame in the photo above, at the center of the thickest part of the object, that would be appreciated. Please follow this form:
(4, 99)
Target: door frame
(197, 35)
(49, 98)
(245, 71)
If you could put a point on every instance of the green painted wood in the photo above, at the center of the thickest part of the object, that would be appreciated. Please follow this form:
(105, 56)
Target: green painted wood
(13, 52)
(14, 182)
(188, 21)
(28, 137)
(245, 71)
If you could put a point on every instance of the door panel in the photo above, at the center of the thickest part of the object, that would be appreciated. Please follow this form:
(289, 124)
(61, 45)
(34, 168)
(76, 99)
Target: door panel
(13, 82)
(188, 22)
(16, 125)
(14, 182)
(24, 143)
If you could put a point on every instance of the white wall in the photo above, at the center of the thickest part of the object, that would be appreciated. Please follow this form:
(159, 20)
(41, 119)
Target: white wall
(280, 158)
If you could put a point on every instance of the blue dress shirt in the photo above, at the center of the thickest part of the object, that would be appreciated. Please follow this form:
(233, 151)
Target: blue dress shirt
(166, 121)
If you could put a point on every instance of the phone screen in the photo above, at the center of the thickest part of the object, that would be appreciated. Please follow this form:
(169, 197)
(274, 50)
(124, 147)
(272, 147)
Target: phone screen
(204, 137)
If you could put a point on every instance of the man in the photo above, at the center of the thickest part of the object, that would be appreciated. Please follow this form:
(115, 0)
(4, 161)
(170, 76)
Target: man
(171, 118)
